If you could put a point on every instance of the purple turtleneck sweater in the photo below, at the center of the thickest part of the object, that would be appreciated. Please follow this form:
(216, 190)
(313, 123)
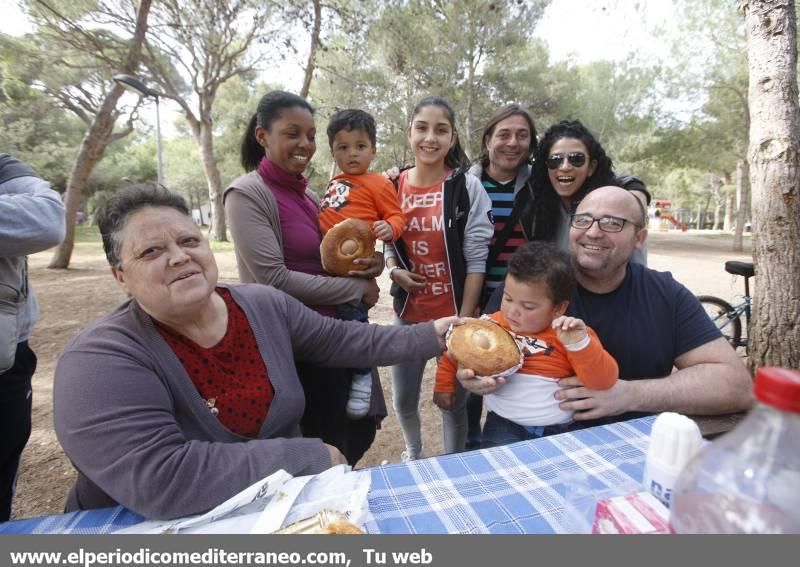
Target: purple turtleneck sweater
(299, 225)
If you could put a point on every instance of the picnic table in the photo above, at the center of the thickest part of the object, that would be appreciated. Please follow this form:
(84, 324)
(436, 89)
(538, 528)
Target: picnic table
(547, 485)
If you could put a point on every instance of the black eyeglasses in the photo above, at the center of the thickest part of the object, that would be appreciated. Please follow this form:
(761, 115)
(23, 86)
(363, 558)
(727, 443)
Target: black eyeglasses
(607, 223)
(576, 159)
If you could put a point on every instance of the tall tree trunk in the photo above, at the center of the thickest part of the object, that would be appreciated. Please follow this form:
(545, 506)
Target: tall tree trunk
(727, 222)
(198, 197)
(716, 192)
(466, 135)
(742, 186)
(205, 145)
(726, 201)
(94, 142)
(775, 180)
(704, 215)
(312, 54)
(742, 202)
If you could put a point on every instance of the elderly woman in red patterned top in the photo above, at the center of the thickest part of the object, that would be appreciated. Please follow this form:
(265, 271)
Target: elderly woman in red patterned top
(188, 392)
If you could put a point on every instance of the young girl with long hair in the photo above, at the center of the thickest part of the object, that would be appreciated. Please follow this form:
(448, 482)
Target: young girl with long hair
(438, 265)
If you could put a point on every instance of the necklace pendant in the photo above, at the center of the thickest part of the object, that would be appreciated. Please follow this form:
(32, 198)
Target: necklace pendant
(210, 403)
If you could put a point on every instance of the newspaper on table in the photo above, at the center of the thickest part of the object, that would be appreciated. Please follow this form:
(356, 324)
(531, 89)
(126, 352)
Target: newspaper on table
(275, 502)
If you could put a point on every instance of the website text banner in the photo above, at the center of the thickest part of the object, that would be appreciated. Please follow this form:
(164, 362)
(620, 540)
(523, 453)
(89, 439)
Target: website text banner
(394, 551)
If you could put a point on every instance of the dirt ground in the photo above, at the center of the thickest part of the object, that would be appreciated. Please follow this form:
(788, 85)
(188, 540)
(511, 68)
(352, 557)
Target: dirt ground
(71, 299)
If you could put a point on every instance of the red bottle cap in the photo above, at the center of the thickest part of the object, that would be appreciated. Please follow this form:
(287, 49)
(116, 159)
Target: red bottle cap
(779, 388)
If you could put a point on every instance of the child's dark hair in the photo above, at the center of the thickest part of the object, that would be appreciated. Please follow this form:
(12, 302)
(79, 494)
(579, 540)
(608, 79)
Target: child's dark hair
(268, 111)
(352, 119)
(544, 262)
(456, 158)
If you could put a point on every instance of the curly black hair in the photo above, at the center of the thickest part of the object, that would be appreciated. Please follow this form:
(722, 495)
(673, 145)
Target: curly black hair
(547, 202)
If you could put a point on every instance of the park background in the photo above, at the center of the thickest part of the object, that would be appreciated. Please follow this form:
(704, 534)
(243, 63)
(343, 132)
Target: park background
(663, 85)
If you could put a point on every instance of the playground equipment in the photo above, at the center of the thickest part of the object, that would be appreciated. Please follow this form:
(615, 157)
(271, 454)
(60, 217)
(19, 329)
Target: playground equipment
(662, 217)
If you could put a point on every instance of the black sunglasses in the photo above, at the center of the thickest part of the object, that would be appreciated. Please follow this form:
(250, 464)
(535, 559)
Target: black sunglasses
(576, 159)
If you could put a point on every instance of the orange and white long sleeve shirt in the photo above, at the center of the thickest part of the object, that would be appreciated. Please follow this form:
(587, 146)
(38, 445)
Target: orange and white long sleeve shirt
(527, 397)
(369, 197)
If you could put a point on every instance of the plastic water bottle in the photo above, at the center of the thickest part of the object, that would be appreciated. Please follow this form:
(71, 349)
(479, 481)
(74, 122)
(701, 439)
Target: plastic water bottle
(748, 481)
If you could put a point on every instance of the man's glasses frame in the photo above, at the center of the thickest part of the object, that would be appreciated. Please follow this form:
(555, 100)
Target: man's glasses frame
(606, 223)
(576, 159)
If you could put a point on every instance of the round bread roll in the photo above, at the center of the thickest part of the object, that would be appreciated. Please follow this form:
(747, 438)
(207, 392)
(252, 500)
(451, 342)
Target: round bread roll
(484, 347)
(345, 242)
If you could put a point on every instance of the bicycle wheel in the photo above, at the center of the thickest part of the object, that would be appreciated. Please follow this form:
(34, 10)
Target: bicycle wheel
(722, 314)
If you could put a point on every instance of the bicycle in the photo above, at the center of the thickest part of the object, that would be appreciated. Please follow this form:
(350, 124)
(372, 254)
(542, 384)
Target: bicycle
(728, 317)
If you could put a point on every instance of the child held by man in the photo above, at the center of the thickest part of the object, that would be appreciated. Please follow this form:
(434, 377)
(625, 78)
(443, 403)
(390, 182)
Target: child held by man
(357, 194)
(538, 286)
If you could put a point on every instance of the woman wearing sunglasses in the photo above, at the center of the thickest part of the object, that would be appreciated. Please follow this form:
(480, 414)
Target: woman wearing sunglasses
(569, 164)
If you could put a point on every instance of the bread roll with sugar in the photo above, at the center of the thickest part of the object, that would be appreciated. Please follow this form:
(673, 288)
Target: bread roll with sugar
(484, 347)
(344, 243)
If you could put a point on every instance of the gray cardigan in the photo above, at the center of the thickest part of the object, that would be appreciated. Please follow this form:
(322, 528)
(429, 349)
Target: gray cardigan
(252, 213)
(140, 434)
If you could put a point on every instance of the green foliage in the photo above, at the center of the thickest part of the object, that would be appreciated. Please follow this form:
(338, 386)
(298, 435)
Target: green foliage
(406, 50)
(708, 77)
(32, 128)
(681, 124)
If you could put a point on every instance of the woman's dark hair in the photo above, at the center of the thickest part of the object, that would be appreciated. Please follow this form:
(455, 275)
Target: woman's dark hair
(268, 111)
(111, 219)
(544, 262)
(498, 116)
(352, 119)
(456, 157)
(547, 202)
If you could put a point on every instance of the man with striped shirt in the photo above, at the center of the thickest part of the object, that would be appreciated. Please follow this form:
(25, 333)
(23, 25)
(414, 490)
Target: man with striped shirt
(504, 167)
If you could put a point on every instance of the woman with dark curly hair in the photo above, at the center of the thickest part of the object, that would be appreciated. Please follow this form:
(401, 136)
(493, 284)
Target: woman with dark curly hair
(569, 164)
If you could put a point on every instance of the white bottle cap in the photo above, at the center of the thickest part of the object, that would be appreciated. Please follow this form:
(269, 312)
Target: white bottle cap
(674, 440)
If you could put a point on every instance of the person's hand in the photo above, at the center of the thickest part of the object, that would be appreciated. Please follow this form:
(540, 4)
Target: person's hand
(336, 455)
(382, 230)
(593, 404)
(443, 325)
(409, 281)
(374, 266)
(570, 330)
(478, 384)
(392, 173)
(444, 400)
(371, 293)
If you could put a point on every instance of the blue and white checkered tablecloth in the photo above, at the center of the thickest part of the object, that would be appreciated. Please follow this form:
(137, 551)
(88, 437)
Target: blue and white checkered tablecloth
(102, 521)
(548, 485)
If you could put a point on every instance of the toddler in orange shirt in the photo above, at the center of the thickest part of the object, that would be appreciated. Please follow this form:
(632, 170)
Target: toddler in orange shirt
(356, 193)
(538, 285)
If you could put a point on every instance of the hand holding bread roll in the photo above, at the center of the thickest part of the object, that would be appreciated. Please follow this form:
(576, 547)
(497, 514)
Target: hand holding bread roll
(345, 242)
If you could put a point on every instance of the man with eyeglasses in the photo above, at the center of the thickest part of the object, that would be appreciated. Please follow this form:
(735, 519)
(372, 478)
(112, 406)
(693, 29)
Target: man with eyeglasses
(649, 323)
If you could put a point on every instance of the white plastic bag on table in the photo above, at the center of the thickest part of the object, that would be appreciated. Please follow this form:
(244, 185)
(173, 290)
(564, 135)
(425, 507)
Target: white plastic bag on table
(274, 502)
